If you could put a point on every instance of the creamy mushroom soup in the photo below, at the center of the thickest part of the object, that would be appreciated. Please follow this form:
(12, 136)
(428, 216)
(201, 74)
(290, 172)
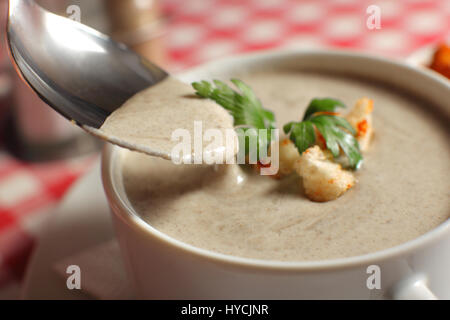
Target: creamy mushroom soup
(402, 190)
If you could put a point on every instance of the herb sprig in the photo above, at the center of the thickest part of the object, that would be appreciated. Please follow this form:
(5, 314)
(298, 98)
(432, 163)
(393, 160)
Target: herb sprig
(243, 105)
(320, 115)
(337, 132)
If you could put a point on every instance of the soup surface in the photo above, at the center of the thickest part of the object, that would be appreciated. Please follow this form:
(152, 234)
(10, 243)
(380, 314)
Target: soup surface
(402, 190)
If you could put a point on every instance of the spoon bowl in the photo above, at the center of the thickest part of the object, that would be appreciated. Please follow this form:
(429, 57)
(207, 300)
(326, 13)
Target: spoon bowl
(79, 72)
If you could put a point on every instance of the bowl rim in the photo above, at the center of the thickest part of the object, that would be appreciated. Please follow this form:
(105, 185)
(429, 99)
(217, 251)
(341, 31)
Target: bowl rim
(126, 213)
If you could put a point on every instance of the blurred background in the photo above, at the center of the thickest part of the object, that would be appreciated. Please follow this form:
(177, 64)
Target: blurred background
(42, 155)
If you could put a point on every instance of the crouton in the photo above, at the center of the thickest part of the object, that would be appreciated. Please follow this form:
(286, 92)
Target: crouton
(360, 117)
(323, 180)
(288, 156)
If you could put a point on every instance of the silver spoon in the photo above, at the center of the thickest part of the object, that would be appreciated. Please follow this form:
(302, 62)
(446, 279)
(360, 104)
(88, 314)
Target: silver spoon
(82, 74)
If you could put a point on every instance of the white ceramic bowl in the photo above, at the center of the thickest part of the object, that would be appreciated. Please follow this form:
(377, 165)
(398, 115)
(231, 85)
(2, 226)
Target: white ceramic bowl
(164, 268)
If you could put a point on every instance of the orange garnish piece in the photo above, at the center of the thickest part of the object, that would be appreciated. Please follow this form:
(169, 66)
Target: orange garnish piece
(327, 113)
(362, 127)
(441, 60)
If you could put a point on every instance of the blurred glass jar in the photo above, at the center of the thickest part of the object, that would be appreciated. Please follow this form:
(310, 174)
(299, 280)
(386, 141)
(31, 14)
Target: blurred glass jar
(139, 24)
(5, 83)
(5, 70)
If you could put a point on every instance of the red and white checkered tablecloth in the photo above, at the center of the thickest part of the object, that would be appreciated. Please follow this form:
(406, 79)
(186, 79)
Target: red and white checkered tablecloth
(201, 30)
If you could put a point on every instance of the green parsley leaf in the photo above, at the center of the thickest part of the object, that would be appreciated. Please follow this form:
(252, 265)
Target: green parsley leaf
(322, 105)
(302, 134)
(243, 105)
(336, 131)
